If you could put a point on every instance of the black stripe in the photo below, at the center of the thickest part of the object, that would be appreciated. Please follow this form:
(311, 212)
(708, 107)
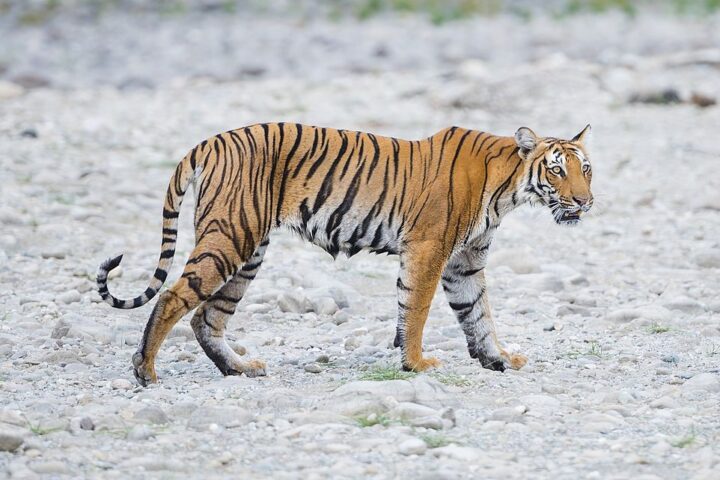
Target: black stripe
(169, 213)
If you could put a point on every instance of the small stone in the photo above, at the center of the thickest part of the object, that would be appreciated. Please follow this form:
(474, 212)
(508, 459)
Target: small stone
(412, 446)
(151, 414)
(86, 423)
(663, 402)
(322, 359)
(552, 389)
(325, 306)
(237, 348)
(10, 90)
(29, 133)
(50, 467)
(670, 359)
(313, 368)
(10, 441)
(121, 384)
(60, 329)
(293, 302)
(340, 317)
(71, 296)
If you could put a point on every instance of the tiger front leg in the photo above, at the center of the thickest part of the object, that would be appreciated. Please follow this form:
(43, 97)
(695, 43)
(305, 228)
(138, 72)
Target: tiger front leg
(420, 268)
(464, 283)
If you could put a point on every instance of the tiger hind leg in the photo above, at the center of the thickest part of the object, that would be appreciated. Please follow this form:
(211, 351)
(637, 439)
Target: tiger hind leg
(210, 320)
(416, 284)
(212, 261)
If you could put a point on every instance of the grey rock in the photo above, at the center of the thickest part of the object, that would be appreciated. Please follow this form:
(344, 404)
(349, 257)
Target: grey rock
(151, 414)
(228, 417)
(71, 296)
(313, 368)
(293, 302)
(10, 440)
(86, 423)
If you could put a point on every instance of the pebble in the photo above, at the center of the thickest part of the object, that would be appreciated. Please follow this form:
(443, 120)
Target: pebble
(71, 296)
(151, 414)
(121, 384)
(412, 446)
(313, 368)
(293, 302)
(86, 423)
(9, 440)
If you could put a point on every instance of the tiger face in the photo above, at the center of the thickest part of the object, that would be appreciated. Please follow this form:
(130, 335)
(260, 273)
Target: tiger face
(558, 173)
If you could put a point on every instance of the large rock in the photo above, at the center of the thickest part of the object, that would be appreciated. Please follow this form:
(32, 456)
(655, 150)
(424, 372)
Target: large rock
(228, 417)
(294, 302)
(364, 397)
(703, 381)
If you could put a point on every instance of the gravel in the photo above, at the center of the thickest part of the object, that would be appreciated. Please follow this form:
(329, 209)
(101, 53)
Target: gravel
(618, 316)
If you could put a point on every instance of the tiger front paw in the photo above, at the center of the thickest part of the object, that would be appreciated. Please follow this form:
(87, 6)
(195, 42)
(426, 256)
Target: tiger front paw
(421, 364)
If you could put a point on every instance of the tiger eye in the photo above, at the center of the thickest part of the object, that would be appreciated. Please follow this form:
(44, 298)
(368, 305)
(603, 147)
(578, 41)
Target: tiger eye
(556, 170)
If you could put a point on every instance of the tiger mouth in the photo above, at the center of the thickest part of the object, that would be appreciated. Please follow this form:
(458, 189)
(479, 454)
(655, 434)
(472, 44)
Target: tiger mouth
(568, 217)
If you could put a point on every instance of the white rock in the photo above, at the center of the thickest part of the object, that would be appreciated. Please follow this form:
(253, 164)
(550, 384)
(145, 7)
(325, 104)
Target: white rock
(412, 446)
(293, 302)
(324, 306)
(71, 296)
(10, 90)
(456, 452)
(121, 384)
(703, 381)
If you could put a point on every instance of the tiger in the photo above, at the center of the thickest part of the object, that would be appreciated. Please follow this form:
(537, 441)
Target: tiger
(436, 203)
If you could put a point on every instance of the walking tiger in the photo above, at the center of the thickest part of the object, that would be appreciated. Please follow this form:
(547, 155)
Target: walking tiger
(434, 202)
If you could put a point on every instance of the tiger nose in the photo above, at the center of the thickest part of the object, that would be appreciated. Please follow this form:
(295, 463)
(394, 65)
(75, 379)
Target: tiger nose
(584, 202)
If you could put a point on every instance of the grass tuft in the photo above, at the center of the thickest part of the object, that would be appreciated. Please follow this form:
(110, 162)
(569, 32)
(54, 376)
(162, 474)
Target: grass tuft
(372, 420)
(384, 373)
(686, 441)
(657, 328)
(452, 379)
(435, 440)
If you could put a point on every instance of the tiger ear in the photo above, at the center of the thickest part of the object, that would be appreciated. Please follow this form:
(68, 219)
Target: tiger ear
(526, 140)
(583, 136)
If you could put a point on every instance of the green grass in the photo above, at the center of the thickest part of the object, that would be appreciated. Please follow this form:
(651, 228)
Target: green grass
(38, 430)
(657, 328)
(594, 350)
(452, 379)
(435, 440)
(372, 420)
(686, 441)
(382, 373)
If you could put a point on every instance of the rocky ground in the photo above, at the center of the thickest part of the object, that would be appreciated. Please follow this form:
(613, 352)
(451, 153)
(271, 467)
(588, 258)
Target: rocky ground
(620, 316)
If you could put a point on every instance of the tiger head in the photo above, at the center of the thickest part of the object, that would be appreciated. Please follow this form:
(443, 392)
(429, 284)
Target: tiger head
(558, 173)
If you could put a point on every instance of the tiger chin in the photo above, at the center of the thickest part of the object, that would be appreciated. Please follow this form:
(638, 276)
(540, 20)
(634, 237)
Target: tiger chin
(435, 203)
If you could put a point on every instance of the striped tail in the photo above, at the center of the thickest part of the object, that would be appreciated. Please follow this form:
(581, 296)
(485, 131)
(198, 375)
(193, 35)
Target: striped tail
(184, 174)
